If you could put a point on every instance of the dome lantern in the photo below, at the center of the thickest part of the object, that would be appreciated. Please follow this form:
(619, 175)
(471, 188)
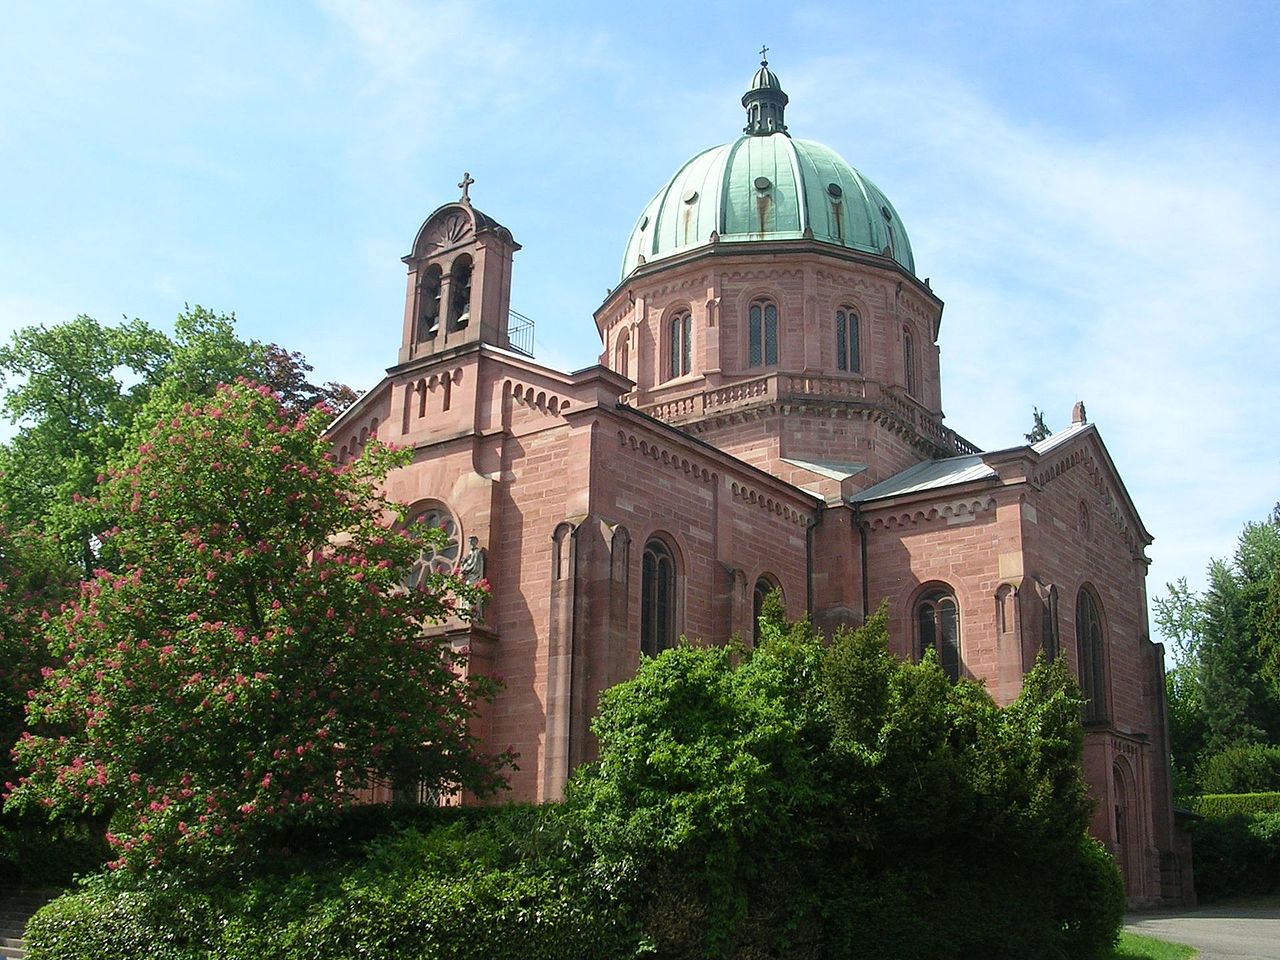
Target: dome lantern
(765, 101)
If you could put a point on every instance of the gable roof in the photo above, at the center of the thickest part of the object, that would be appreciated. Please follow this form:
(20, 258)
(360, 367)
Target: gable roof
(954, 471)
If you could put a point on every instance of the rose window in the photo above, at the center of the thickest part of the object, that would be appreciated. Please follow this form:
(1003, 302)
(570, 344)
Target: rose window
(434, 556)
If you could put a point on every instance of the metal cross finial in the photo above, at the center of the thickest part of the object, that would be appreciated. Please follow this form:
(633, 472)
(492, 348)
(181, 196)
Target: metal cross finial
(465, 185)
(764, 56)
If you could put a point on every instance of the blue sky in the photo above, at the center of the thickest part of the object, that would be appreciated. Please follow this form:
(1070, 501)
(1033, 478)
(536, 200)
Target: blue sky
(1091, 187)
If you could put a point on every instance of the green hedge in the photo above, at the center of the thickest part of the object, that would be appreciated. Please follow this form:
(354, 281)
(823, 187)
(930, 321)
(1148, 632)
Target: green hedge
(104, 924)
(1244, 768)
(1236, 855)
(1216, 806)
(488, 883)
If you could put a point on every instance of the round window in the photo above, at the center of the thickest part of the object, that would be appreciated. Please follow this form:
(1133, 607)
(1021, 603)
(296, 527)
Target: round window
(435, 554)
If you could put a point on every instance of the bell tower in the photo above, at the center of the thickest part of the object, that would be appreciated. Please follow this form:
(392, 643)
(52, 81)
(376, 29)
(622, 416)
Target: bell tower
(459, 285)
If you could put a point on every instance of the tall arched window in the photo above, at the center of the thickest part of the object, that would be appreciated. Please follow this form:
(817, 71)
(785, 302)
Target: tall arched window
(680, 340)
(764, 587)
(908, 362)
(657, 598)
(762, 334)
(848, 349)
(938, 628)
(1091, 657)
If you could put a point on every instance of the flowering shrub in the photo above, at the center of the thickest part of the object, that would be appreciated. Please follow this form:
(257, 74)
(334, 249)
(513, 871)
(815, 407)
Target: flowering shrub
(256, 656)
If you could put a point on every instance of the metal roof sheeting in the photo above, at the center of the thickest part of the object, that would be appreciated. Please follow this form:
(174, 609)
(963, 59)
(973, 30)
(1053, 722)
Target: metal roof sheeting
(929, 475)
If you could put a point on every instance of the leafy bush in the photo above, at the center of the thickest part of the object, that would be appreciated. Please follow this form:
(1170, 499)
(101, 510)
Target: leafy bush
(805, 801)
(476, 884)
(99, 923)
(1246, 768)
(1220, 805)
(1236, 855)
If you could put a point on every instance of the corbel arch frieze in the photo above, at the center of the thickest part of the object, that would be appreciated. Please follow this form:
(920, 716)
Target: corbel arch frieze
(951, 510)
(660, 454)
(533, 397)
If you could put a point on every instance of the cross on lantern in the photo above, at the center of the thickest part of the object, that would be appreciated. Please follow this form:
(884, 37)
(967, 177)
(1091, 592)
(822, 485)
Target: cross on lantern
(465, 185)
(764, 56)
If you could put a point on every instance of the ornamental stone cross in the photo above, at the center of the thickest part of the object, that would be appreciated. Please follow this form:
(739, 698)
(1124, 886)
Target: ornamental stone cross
(465, 185)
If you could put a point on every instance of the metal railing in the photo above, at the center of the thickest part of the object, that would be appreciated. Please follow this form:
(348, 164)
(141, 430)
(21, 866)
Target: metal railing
(520, 333)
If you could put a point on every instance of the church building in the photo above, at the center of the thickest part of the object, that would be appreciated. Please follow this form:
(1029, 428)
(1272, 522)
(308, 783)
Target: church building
(766, 414)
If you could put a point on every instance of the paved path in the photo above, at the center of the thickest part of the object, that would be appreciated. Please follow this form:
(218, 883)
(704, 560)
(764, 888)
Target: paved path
(1239, 930)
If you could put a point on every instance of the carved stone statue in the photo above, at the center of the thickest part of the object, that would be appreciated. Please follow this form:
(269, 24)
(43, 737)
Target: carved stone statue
(472, 566)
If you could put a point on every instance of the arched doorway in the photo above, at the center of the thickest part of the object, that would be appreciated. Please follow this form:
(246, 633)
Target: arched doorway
(1128, 828)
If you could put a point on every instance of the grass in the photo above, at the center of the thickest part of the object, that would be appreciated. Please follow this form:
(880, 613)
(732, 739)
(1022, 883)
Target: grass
(1134, 947)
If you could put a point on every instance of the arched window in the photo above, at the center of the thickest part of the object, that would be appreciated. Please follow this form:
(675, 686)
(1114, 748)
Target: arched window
(657, 598)
(848, 352)
(764, 587)
(938, 628)
(908, 362)
(429, 304)
(681, 344)
(762, 334)
(1092, 660)
(460, 292)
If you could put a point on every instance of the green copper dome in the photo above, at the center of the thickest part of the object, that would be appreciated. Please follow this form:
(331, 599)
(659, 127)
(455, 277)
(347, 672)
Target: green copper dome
(767, 186)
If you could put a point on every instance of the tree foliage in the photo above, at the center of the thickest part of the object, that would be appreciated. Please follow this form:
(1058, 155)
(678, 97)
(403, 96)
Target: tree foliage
(77, 390)
(808, 801)
(252, 656)
(34, 581)
(1223, 691)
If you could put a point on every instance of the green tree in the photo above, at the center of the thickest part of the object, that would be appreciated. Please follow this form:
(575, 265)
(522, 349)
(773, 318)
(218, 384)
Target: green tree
(805, 800)
(76, 390)
(1180, 617)
(1221, 692)
(1039, 429)
(255, 657)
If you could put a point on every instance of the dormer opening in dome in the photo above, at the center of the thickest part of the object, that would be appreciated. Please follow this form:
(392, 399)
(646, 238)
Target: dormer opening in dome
(771, 260)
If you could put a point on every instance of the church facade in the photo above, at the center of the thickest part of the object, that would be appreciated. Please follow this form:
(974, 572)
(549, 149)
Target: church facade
(766, 414)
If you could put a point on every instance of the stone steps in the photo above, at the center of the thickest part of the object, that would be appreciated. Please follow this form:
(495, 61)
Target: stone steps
(17, 906)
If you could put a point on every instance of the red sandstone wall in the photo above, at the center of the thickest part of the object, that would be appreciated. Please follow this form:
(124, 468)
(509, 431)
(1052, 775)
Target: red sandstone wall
(972, 544)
